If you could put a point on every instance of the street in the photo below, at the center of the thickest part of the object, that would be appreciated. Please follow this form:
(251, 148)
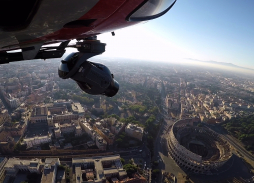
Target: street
(166, 163)
(234, 142)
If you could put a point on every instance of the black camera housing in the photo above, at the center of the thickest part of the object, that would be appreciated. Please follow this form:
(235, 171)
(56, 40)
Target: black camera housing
(92, 78)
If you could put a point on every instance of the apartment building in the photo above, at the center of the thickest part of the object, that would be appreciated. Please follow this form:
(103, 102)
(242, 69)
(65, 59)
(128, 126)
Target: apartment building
(105, 133)
(50, 170)
(134, 131)
(13, 165)
(39, 114)
(102, 167)
(100, 142)
(37, 140)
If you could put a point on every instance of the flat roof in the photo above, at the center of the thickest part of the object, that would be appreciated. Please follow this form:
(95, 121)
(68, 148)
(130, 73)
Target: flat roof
(77, 107)
(16, 161)
(49, 169)
(97, 160)
(47, 175)
(39, 111)
(110, 170)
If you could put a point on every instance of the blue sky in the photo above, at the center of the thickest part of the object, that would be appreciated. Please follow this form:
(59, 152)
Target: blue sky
(218, 30)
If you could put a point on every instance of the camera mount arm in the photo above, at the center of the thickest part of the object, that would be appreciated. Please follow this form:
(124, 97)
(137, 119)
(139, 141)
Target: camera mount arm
(92, 78)
(87, 49)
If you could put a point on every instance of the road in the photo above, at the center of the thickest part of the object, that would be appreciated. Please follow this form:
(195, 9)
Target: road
(234, 142)
(147, 157)
(238, 147)
(166, 163)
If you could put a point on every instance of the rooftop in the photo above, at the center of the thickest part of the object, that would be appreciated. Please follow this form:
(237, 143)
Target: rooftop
(135, 127)
(76, 107)
(39, 111)
(98, 164)
(16, 161)
(49, 170)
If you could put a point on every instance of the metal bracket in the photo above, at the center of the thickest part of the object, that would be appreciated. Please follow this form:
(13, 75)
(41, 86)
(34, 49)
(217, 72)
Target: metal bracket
(34, 52)
(31, 52)
(80, 61)
(18, 56)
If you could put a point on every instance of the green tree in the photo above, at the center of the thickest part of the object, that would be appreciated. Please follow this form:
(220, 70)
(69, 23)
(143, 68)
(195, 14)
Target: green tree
(131, 162)
(155, 163)
(130, 169)
(156, 171)
(61, 167)
(199, 125)
(122, 161)
(18, 147)
(114, 116)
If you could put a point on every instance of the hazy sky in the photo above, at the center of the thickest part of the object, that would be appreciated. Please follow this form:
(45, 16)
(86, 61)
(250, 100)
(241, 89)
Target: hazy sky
(219, 30)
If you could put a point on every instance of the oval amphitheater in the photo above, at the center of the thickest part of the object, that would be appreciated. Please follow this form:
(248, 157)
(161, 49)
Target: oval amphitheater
(197, 149)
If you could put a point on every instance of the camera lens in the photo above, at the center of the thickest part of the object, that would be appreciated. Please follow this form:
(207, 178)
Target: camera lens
(112, 89)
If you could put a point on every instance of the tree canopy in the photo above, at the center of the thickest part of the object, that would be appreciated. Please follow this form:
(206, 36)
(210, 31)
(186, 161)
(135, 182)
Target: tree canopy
(243, 129)
(130, 169)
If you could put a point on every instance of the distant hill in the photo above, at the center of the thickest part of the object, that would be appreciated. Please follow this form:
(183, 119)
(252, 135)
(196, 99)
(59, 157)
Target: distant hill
(220, 63)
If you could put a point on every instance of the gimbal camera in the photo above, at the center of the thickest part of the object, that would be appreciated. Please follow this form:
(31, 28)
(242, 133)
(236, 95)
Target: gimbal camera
(92, 78)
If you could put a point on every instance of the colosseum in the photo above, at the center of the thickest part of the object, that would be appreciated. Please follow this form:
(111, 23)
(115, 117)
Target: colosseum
(197, 149)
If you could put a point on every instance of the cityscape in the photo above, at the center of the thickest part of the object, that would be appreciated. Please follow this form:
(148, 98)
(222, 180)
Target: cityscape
(168, 123)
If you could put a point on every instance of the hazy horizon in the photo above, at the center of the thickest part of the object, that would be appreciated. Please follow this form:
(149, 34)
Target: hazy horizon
(202, 30)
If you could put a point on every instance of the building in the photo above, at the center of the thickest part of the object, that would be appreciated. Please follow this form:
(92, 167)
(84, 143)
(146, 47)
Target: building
(14, 165)
(100, 142)
(99, 169)
(17, 129)
(68, 146)
(52, 115)
(39, 114)
(3, 161)
(62, 118)
(105, 133)
(78, 130)
(37, 140)
(77, 109)
(136, 179)
(13, 102)
(7, 142)
(90, 143)
(61, 103)
(67, 128)
(57, 131)
(4, 116)
(50, 170)
(202, 139)
(117, 127)
(112, 120)
(87, 128)
(134, 131)
(58, 109)
(50, 120)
